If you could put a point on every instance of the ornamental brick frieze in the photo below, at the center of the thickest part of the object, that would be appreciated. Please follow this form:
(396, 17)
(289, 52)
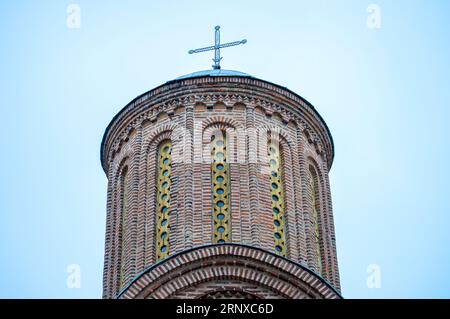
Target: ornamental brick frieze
(151, 110)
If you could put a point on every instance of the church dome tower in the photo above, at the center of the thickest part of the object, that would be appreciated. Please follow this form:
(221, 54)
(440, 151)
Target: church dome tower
(218, 188)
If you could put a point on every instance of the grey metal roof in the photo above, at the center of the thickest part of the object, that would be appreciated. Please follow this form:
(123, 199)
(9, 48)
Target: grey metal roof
(212, 72)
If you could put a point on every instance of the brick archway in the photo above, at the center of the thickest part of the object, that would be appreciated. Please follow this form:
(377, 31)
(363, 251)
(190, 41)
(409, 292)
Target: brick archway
(210, 269)
(229, 294)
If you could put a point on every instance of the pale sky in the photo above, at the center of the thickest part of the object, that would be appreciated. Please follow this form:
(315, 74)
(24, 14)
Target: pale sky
(383, 92)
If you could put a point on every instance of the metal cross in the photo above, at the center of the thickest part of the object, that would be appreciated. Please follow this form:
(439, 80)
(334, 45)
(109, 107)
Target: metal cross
(217, 48)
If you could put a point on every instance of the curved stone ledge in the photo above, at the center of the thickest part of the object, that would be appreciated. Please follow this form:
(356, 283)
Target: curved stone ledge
(237, 263)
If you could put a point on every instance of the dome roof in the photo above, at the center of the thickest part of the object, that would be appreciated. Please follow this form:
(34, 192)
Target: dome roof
(213, 72)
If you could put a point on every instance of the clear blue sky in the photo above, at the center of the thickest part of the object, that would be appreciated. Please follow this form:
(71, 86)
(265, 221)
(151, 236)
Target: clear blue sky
(383, 92)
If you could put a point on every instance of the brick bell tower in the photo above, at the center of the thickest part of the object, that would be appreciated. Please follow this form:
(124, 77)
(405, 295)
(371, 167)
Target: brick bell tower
(218, 188)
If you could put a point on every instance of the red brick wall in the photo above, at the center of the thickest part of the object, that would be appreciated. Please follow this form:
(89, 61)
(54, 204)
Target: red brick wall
(225, 102)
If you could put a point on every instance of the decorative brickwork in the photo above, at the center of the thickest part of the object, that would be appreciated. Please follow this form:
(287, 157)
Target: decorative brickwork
(228, 267)
(220, 185)
(187, 113)
(163, 199)
(277, 196)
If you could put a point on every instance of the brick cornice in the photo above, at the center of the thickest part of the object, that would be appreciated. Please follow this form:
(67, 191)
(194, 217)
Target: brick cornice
(209, 90)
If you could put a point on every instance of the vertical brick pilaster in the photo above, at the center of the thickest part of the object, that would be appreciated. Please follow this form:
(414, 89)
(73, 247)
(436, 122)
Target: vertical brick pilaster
(303, 222)
(199, 215)
(132, 210)
(188, 180)
(117, 254)
(150, 204)
(253, 168)
(141, 207)
(108, 240)
(300, 255)
(333, 262)
(205, 203)
(175, 193)
(290, 200)
(325, 244)
(244, 194)
(201, 183)
(116, 241)
(235, 187)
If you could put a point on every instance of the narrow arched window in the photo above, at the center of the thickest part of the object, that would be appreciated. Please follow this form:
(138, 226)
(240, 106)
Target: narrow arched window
(315, 206)
(220, 188)
(164, 163)
(277, 197)
(124, 188)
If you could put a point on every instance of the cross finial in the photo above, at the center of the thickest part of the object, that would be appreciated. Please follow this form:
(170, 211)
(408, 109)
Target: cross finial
(217, 46)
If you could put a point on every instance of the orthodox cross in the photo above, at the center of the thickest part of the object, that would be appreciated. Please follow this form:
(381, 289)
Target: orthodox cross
(217, 48)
